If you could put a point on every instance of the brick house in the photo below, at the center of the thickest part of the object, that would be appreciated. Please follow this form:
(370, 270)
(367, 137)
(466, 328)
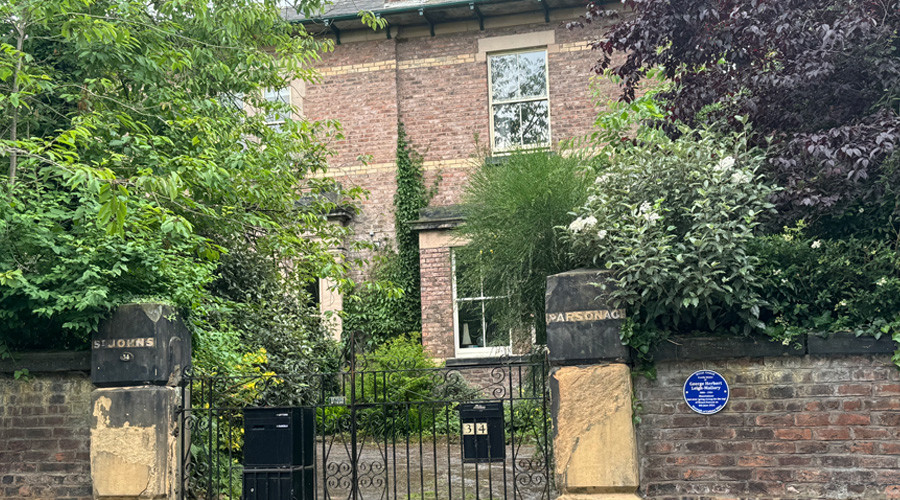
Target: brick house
(461, 76)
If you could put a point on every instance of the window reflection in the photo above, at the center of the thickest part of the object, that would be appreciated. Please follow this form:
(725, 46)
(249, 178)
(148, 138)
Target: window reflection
(519, 104)
(281, 96)
(476, 326)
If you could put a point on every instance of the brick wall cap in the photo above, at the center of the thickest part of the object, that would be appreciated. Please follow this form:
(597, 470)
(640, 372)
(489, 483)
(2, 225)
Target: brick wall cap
(848, 343)
(813, 344)
(724, 347)
(48, 361)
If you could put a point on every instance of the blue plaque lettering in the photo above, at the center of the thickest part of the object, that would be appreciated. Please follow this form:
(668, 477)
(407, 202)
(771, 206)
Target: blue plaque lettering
(706, 392)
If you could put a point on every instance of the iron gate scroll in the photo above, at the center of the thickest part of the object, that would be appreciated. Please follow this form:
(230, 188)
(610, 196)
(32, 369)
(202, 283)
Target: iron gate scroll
(380, 433)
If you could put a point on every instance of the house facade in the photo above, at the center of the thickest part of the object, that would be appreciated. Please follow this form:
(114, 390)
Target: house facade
(467, 80)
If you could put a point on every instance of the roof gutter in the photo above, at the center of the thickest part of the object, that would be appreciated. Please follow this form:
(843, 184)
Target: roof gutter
(406, 10)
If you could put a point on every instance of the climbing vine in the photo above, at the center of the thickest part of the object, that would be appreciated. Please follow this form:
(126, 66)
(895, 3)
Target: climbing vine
(378, 312)
(411, 196)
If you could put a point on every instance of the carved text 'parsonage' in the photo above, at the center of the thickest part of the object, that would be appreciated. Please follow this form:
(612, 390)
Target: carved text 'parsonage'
(598, 315)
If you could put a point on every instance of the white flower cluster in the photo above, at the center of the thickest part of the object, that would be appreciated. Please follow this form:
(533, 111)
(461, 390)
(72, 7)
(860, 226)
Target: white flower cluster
(740, 178)
(580, 224)
(724, 164)
(603, 179)
(816, 244)
(645, 212)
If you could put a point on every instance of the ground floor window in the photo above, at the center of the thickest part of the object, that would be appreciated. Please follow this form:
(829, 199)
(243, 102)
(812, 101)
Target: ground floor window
(476, 332)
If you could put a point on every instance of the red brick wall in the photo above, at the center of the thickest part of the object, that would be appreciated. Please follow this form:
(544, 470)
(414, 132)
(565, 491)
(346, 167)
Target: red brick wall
(364, 102)
(437, 302)
(45, 437)
(794, 427)
(439, 91)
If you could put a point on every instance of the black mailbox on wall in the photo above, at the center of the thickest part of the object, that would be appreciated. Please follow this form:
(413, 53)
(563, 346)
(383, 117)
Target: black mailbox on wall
(483, 435)
(140, 344)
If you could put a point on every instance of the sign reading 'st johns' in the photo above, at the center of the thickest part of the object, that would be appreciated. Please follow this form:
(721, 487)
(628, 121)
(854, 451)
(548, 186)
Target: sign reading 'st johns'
(706, 392)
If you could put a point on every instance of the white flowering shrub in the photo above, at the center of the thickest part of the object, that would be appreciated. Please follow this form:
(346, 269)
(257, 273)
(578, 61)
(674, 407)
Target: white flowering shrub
(672, 219)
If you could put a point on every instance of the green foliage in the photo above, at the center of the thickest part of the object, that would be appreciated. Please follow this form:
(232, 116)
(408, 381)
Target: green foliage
(513, 210)
(391, 306)
(217, 444)
(401, 372)
(377, 308)
(140, 151)
(267, 313)
(411, 196)
(403, 353)
(672, 219)
(828, 285)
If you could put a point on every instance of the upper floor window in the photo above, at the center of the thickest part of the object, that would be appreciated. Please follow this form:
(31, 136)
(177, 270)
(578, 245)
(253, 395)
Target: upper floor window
(282, 96)
(519, 100)
(233, 100)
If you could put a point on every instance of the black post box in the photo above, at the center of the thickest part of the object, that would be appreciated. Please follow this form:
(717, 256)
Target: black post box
(483, 435)
(297, 483)
(140, 344)
(279, 437)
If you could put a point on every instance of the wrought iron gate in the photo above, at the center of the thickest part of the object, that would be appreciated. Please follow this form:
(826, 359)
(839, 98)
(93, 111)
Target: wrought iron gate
(383, 432)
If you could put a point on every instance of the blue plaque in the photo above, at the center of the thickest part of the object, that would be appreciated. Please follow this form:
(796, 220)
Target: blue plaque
(706, 392)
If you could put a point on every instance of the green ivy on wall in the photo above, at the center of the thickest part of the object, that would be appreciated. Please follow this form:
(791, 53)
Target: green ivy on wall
(377, 311)
(411, 196)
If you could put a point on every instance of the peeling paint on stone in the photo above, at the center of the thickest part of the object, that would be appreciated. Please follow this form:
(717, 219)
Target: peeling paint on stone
(153, 311)
(133, 451)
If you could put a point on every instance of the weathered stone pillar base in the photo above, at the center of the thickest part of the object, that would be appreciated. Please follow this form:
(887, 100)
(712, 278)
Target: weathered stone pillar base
(594, 440)
(133, 443)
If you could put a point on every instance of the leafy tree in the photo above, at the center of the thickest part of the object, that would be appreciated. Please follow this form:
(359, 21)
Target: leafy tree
(819, 79)
(673, 220)
(141, 149)
(378, 309)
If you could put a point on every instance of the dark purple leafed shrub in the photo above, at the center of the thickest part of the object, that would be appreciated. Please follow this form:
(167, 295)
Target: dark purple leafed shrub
(818, 80)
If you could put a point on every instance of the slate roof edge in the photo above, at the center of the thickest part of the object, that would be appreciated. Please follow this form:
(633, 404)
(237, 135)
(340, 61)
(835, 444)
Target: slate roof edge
(385, 11)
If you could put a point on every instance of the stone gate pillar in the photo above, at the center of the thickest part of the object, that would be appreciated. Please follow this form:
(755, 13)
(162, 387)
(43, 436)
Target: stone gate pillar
(594, 442)
(137, 359)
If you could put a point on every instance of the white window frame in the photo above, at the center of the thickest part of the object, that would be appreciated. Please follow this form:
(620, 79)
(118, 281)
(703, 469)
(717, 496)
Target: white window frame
(491, 102)
(279, 119)
(472, 352)
(235, 100)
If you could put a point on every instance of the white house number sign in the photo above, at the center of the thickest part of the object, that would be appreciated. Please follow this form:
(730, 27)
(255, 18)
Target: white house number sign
(475, 429)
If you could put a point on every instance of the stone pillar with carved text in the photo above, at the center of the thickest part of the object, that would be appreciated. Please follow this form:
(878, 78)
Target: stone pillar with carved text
(594, 441)
(137, 359)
